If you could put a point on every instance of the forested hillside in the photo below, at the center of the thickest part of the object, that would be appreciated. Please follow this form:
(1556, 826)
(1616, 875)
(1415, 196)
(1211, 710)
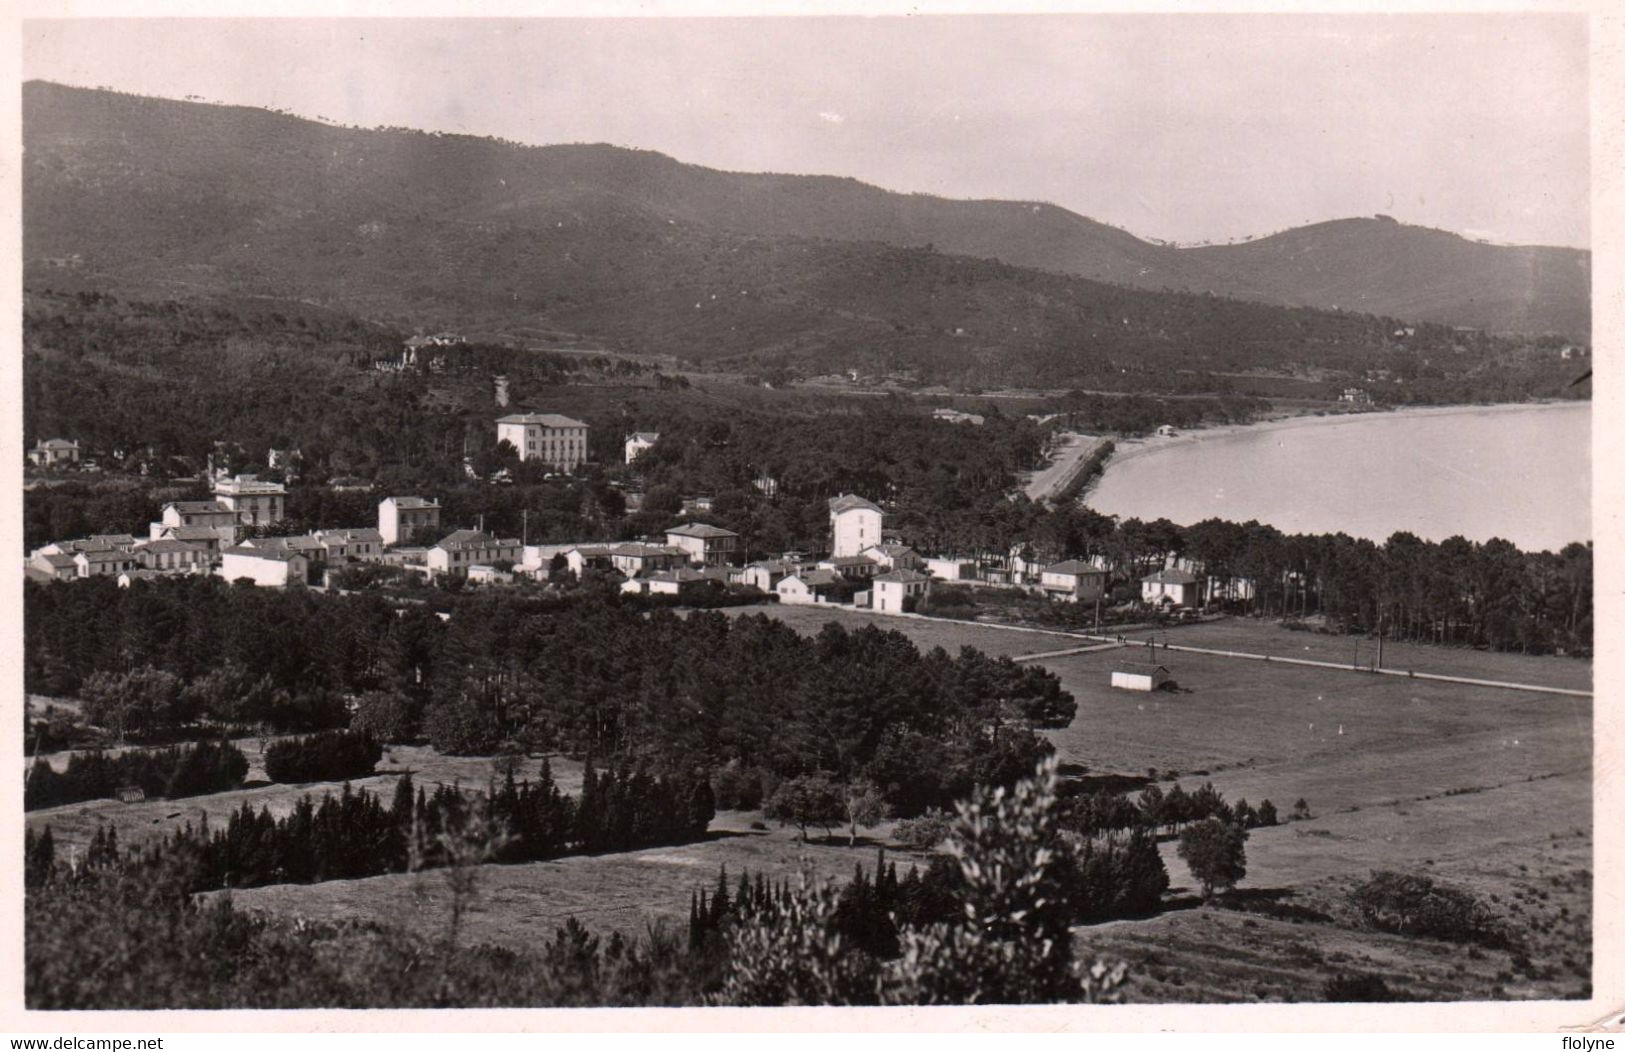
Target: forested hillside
(163, 200)
(182, 192)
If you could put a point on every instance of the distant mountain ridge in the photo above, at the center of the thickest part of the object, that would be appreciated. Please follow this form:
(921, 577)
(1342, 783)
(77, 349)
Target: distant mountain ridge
(637, 246)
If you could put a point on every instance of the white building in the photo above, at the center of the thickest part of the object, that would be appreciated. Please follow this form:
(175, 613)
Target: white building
(555, 440)
(640, 441)
(54, 451)
(1176, 587)
(808, 587)
(711, 545)
(266, 567)
(257, 503)
(948, 569)
(95, 562)
(1073, 581)
(634, 558)
(767, 575)
(461, 549)
(171, 556)
(854, 525)
(851, 567)
(1139, 676)
(890, 591)
(402, 520)
(351, 545)
(893, 556)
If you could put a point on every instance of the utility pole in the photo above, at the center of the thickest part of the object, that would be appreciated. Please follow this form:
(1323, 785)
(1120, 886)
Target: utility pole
(524, 526)
(1379, 641)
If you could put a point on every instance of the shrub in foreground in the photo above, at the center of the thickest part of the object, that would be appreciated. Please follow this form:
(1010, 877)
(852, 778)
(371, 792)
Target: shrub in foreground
(1411, 904)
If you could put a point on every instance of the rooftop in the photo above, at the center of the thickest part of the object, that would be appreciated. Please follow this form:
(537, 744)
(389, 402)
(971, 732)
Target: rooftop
(902, 577)
(247, 484)
(542, 419)
(700, 529)
(850, 502)
(1075, 567)
(198, 507)
(410, 503)
(644, 436)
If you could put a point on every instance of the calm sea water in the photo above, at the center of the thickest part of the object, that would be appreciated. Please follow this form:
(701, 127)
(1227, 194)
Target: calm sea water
(1521, 473)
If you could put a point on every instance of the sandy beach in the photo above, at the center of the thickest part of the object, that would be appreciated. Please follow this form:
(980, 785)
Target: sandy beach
(1134, 448)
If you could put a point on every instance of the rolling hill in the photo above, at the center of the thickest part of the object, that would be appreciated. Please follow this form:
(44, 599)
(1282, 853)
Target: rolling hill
(176, 199)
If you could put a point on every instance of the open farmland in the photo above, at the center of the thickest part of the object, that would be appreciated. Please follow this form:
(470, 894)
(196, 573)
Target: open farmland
(1483, 788)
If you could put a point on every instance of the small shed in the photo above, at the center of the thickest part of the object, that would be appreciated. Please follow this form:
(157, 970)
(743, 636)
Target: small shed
(131, 794)
(1141, 675)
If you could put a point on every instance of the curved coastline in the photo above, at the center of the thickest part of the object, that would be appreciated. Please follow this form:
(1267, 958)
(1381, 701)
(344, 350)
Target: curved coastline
(1453, 484)
(1135, 448)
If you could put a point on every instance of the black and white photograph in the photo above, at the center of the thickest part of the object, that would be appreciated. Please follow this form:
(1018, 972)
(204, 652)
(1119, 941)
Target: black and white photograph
(942, 509)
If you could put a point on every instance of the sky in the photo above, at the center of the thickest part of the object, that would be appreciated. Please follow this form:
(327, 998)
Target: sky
(1177, 127)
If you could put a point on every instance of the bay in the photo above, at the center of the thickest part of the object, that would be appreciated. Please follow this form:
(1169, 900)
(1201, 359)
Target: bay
(1518, 472)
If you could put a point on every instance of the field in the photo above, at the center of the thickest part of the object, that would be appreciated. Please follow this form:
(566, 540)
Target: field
(1485, 788)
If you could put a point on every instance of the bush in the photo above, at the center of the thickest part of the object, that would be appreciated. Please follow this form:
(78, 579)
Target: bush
(925, 832)
(332, 756)
(1409, 904)
(1267, 815)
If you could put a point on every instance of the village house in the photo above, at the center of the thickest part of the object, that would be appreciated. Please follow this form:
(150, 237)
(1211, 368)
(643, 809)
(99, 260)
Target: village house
(634, 559)
(402, 520)
(350, 484)
(536, 560)
(99, 561)
(54, 452)
(954, 416)
(461, 549)
(898, 591)
(1174, 587)
(1355, 396)
(854, 525)
(171, 556)
(341, 546)
(484, 574)
(555, 440)
(58, 566)
(210, 538)
(219, 521)
(265, 567)
(711, 545)
(256, 502)
(766, 575)
(696, 505)
(640, 441)
(893, 556)
(679, 582)
(945, 568)
(579, 558)
(1167, 431)
(304, 544)
(1073, 581)
(129, 577)
(851, 567)
(810, 586)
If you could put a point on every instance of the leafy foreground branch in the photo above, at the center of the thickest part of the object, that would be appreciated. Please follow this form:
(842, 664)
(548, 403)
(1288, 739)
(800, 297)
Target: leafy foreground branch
(123, 932)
